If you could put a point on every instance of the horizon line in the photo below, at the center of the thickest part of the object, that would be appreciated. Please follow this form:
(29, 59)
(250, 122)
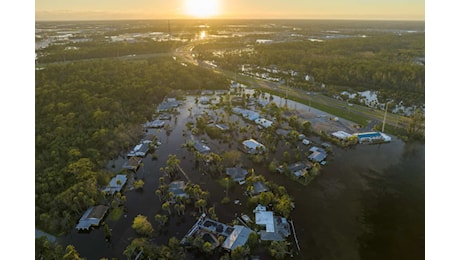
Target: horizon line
(242, 19)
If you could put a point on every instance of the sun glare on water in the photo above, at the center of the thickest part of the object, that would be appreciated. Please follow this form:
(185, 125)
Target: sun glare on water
(202, 8)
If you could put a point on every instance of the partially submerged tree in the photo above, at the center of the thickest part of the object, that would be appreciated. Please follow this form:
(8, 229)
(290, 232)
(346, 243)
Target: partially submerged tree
(142, 226)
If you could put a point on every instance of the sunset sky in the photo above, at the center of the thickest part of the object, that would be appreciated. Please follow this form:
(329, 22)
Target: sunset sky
(229, 9)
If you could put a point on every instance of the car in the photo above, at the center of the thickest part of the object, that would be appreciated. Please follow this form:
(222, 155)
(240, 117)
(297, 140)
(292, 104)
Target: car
(305, 142)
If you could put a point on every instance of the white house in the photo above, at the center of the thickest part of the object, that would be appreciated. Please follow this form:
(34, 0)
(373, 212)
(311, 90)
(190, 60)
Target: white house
(251, 146)
(263, 122)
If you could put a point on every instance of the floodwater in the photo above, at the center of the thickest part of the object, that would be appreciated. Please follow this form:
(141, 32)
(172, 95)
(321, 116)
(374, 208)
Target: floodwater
(367, 203)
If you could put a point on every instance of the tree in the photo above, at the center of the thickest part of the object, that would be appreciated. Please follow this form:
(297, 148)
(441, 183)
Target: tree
(283, 205)
(71, 253)
(166, 207)
(171, 166)
(273, 165)
(240, 252)
(266, 198)
(107, 232)
(136, 246)
(138, 185)
(207, 247)
(306, 127)
(253, 240)
(177, 251)
(159, 194)
(279, 249)
(161, 219)
(142, 226)
(201, 205)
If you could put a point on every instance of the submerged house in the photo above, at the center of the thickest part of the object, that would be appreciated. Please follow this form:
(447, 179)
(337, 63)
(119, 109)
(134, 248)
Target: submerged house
(140, 150)
(92, 217)
(298, 169)
(276, 228)
(317, 154)
(259, 187)
(264, 122)
(251, 146)
(116, 184)
(132, 164)
(201, 148)
(238, 237)
(209, 230)
(238, 174)
(178, 189)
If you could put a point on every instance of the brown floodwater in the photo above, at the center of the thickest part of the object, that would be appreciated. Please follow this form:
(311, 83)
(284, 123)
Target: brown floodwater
(367, 203)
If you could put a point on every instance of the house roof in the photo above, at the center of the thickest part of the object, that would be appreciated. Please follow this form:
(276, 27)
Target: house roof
(133, 163)
(252, 144)
(276, 228)
(201, 148)
(341, 135)
(259, 187)
(113, 185)
(177, 188)
(92, 217)
(317, 156)
(238, 237)
(265, 218)
(297, 166)
(236, 173)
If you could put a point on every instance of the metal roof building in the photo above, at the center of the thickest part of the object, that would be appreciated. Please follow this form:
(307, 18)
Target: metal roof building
(116, 184)
(251, 146)
(201, 148)
(317, 156)
(238, 174)
(265, 218)
(237, 238)
(92, 217)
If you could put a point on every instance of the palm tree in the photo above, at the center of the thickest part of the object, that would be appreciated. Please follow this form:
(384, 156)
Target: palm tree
(201, 205)
(161, 219)
(166, 207)
(177, 209)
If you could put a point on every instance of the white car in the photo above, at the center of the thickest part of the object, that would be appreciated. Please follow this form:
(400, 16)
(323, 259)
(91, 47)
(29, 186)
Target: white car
(305, 142)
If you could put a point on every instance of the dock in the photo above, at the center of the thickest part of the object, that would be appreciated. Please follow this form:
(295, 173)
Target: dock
(295, 236)
(185, 174)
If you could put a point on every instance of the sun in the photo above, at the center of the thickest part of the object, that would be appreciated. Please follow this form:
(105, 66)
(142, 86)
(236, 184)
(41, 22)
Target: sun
(202, 8)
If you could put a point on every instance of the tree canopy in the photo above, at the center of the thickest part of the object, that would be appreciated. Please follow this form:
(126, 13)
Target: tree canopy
(89, 112)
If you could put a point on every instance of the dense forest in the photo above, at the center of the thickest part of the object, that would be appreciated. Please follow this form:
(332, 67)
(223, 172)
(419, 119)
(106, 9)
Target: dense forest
(87, 113)
(101, 49)
(389, 63)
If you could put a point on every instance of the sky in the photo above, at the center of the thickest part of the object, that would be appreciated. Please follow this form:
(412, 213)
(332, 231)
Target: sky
(230, 9)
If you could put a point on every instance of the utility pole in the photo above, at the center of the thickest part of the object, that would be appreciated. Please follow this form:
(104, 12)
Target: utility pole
(286, 95)
(385, 117)
(169, 30)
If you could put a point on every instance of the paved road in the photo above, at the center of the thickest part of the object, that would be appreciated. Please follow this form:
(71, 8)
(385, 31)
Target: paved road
(374, 116)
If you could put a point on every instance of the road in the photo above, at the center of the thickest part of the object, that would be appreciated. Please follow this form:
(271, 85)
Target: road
(357, 113)
(369, 117)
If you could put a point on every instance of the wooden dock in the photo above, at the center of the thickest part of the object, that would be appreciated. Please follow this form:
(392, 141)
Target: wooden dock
(185, 174)
(295, 236)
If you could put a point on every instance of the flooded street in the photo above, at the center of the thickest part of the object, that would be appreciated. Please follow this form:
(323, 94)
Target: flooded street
(367, 203)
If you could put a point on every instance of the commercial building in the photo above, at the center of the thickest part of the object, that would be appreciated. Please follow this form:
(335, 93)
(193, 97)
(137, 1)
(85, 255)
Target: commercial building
(371, 137)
